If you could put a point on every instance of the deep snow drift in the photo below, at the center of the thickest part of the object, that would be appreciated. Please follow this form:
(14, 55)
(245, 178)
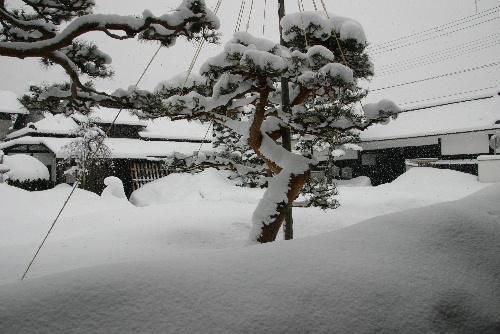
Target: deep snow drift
(429, 270)
(187, 214)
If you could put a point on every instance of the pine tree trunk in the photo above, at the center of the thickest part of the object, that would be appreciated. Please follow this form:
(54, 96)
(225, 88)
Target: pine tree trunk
(296, 182)
(270, 231)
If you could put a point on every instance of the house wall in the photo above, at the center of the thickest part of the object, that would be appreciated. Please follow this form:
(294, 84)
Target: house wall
(5, 125)
(49, 160)
(489, 168)
(465, 143)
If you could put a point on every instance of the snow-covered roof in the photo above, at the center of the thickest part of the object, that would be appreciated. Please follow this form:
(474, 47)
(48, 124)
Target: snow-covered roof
(9, 104)
(163, 128)
(108, 115)
(58, 124)
(121, 148)
(481, 114)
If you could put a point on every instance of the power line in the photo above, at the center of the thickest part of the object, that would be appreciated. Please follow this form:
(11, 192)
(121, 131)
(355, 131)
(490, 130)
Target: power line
(447, 103)
(397, 47)
(457, 49)
(436, 29)
(437, 59)
(249, 16)
(240, 15)
(444, 75)
(448, 95)
(264, 21)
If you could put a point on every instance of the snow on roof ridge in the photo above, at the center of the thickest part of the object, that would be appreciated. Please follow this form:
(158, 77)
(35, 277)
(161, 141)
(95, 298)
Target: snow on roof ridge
(58, 124)
(9, 103)
(121, 148)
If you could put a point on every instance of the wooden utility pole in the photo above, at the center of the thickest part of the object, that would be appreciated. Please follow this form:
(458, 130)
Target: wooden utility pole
(286, 136)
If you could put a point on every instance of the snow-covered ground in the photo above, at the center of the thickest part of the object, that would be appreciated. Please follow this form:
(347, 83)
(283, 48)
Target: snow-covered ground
(183, 213)
(181, 264)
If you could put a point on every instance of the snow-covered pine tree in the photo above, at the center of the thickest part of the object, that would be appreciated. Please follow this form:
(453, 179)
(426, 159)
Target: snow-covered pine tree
(324, 97)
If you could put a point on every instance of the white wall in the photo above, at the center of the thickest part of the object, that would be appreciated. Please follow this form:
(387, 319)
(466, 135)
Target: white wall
(48, 159)
(378, 145)
(465, 143)
(489, 168)
(349, 155)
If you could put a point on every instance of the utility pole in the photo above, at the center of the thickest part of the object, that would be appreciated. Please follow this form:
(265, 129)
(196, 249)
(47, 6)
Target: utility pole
(286, 136)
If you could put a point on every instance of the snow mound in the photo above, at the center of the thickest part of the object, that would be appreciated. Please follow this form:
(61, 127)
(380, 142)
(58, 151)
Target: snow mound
(429, 270)
(24, 167)
(360, 181)
(430, 180)
(209, 185)
(114, 188)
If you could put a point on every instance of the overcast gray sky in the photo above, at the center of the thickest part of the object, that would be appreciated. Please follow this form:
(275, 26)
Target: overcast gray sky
(383, 20)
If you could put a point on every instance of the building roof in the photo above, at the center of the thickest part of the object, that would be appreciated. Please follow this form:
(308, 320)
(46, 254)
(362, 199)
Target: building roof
(9, 103)
(107, 116)
(159, 129)
(163, 128)
(121, 148)
(482, 113)
(58, 124)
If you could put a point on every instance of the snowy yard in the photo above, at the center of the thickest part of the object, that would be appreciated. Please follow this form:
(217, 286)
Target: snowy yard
(181, 261)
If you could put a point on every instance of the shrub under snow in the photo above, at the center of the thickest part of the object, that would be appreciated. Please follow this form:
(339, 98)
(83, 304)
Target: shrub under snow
(24, 167)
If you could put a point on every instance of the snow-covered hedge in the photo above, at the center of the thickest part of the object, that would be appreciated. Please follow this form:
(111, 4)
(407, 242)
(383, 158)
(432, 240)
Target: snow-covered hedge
(25, 167)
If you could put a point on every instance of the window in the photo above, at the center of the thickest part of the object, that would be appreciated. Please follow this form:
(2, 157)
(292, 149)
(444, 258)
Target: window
(369, 159)
(347, 173)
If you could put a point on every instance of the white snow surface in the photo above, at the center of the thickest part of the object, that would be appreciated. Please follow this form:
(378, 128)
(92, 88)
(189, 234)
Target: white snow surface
(210, 185)
(121, 148)
(23, 167)
(58, 124)
(108, 115)
(324, 26)
(164, 128)
(114, 188)
(9, 103)
(434, 269)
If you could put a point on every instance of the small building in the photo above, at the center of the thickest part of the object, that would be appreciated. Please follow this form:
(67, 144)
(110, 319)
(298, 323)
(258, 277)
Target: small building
(450, 135)
(10, 109)
(135, 145)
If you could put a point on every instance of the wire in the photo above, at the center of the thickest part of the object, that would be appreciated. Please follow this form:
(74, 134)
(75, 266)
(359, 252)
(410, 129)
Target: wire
(249, 16)
(446, 103)
(397, 47)
(471, 69)
(240, 15)
(437, 60)
(264, 22)
(457, 49)
(334, 32)
(301, 10)
(315, 6)
(197, 52)
(203, 142)
(448, 25)
(449, 95)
